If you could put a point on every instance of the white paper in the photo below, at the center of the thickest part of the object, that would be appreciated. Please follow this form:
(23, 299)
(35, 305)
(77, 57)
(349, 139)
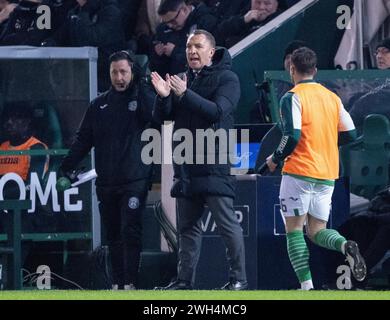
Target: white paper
(84, 177)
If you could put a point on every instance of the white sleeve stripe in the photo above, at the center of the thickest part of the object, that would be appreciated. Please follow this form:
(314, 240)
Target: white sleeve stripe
(296, 110)
(345, 121)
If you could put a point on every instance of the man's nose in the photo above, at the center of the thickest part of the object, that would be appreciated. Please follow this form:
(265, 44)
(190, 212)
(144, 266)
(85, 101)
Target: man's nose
(118, 76)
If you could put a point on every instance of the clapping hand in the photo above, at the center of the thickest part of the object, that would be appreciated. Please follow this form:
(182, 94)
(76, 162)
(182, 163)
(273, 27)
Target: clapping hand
(163, 87)
(178, 85)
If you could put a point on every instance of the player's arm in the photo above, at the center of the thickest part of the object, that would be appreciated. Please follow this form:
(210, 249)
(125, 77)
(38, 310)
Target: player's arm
(346, 128)
(291, 123)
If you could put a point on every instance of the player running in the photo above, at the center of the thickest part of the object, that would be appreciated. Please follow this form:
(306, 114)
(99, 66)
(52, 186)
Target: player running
(314, 122)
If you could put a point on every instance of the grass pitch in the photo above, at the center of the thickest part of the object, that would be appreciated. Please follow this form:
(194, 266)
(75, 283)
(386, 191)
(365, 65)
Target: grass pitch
(192, 295)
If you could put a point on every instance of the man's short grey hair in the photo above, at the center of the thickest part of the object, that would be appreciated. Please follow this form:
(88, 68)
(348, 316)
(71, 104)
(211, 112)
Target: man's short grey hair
(207, 34)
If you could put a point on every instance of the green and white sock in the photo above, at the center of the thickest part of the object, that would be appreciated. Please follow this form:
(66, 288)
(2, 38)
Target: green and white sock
(330, 239)
(299, 255)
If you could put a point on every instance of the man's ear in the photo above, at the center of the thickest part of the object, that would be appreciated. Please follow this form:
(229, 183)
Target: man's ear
(292, 72)
(212, 52)
(292, 69)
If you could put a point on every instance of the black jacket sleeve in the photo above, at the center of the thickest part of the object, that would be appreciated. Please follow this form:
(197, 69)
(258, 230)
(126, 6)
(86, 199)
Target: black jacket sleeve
(82, 145)
(146, 99)
(224, 101)
(162, 109)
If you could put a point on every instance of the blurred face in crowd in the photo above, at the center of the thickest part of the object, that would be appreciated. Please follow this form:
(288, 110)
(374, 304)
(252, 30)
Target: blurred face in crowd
(17, 128)
(266, 7)
(287, 62)
(121, 74)
(82, 2)
(382, 58)
(176, 19)
(199, 51)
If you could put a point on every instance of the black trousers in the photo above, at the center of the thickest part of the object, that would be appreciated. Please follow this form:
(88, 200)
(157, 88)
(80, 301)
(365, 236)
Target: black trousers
(121, 211)
(190, 211)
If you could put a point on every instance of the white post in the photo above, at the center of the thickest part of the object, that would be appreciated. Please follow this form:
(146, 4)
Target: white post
(360, 36)
(168, 203)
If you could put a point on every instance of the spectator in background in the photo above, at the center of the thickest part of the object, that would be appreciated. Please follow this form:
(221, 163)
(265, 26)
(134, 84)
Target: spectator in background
(224, 9)
(129, 10)
(178, 21)
(95, 23)
(21, 28)
(6, 7)
(236, 28)
(382, 54)
(59, 10)
(377, 100)
(18, 135)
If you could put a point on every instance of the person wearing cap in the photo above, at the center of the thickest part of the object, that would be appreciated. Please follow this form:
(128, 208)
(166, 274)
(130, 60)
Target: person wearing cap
(113, 125)
(382, 54)
(377, 99)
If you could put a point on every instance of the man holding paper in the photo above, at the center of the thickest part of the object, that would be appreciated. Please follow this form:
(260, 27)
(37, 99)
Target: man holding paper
(113, 125)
